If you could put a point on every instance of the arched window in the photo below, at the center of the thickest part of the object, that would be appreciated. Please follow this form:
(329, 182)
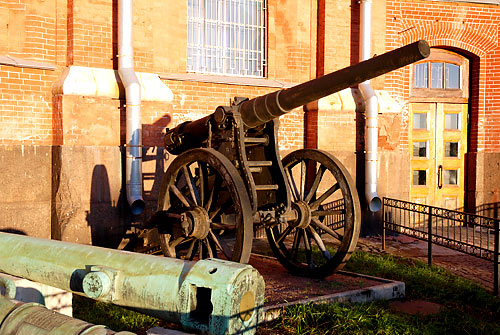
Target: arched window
(442, 75)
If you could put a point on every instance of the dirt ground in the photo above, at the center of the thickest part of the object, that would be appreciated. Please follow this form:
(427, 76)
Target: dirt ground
(281, 286)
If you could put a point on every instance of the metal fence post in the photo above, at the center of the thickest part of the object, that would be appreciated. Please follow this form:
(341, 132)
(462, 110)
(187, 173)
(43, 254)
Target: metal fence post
(429, 237)
(495, 258)
(383, 224)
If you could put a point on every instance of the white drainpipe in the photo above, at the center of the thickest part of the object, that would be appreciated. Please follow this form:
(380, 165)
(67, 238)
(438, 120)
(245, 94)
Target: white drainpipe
(133, 165)
(371, 110)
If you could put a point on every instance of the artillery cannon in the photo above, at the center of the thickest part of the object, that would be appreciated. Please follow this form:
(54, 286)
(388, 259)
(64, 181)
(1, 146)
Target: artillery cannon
(228, 178)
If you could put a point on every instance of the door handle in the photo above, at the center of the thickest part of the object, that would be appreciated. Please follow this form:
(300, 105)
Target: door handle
(440, 177)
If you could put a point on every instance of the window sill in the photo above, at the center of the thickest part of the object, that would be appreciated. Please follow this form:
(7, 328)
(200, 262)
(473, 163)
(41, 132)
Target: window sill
(241, 81)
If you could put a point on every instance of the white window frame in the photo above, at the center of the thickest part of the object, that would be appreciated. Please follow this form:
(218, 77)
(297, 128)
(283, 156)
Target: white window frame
(227, 37)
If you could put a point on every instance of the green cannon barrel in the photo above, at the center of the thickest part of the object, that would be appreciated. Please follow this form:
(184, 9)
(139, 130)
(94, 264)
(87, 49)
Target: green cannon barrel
(262, 109)
(34, 319)
(210, 296)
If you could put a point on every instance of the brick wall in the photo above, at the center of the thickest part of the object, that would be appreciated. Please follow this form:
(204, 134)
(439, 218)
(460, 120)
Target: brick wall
(467, 28)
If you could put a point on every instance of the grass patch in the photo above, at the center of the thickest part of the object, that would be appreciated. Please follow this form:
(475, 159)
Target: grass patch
(424, 282)
(468, 308)
(114, 317)
(376, 318)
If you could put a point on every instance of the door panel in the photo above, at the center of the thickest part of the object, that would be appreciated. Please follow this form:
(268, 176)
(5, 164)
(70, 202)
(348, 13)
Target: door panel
(438, 142)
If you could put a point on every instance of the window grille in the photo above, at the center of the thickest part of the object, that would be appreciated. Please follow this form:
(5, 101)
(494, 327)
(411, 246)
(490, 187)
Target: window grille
(227, 37)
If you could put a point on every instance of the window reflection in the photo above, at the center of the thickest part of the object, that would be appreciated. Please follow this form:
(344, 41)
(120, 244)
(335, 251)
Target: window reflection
(419, 120)
(452, 76)
(451, 149)
(421, 75)
(436, 75)
(419, 149)
(450, 177)
(451, 121)
(419, 177)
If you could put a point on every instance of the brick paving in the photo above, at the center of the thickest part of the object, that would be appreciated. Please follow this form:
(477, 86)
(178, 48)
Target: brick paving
(478, 270)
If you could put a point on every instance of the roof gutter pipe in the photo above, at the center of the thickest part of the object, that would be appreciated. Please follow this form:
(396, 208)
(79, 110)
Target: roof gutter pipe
(371, 111)
(133, 146)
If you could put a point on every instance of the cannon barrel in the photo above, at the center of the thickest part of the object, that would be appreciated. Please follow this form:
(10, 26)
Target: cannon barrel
(211, 296)
(262, 109)
(270, 106)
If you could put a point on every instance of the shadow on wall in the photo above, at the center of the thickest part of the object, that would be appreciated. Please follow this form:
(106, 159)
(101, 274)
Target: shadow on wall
(104, 216)
(110, 219)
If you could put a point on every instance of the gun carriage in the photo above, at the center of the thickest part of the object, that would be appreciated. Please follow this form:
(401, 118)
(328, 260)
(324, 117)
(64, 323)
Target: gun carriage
(228, 178)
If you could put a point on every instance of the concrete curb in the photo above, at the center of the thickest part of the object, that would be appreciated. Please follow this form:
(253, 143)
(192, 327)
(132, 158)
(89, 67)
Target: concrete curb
(389, 289)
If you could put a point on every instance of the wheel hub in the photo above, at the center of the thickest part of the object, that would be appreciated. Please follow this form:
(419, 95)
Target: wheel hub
(196, 223)
(303, 214)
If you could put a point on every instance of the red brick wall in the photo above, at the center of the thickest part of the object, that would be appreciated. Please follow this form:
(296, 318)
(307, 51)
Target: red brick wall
(25, 105)
(464, 27)
(82, 33)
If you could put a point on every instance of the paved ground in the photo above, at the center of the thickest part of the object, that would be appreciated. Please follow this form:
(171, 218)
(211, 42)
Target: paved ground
(470, 267)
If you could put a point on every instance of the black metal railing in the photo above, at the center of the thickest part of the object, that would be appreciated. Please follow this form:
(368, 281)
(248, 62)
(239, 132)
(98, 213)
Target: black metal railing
(472, 234)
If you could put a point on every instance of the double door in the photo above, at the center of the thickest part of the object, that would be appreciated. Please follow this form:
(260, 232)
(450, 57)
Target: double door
(438, 142)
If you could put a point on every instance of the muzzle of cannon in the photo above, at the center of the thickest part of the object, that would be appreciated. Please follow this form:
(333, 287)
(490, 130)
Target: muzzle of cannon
(211, 296)
(34, 319)
(228, 178)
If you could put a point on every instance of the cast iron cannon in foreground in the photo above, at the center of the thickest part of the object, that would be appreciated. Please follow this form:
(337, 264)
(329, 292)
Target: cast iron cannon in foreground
(229, 178)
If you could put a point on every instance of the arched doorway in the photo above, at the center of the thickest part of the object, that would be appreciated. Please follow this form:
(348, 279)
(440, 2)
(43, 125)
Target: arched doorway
(438, 129)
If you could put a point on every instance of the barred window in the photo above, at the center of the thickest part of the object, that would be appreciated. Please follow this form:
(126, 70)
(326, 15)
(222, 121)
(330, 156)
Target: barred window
(227, 37)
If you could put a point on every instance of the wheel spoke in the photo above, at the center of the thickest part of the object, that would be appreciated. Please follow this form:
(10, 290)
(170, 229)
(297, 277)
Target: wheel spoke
(221, 245)
(180, 196)
(164, 242)
(202, 171)
(328, 212)
(320, 243)
(217, 225)
(284, 234)
(303, 170)
(222, 208)
(317, 180)
(209, 249)
(296, 243)
(190, 253)
(327, 229)
(215, 190)
(192, 188)
(307, 245)
(325, 196)
(200, 250)
(293, 186)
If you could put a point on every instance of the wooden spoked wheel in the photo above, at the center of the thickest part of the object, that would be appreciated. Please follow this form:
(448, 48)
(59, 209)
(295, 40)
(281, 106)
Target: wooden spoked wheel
(323, 234)
(205, 209)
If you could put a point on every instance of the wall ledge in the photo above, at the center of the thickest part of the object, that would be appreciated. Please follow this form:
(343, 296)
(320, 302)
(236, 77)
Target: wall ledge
(20, 62)
(88, 81)
(228, 80)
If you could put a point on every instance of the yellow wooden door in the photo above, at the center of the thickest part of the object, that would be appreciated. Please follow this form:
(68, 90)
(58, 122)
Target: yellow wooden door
(438, 142)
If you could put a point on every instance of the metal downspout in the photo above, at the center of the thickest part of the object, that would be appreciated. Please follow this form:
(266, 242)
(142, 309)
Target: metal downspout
(371, 111)
(133, 149)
